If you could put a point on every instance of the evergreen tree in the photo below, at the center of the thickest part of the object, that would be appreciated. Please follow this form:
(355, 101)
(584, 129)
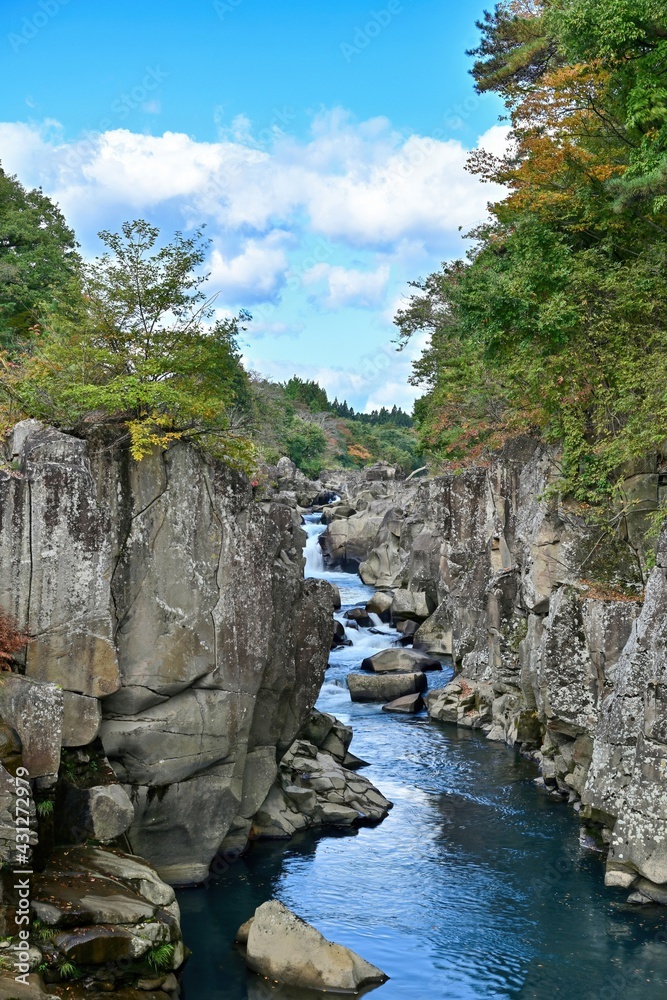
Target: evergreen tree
(38, 261)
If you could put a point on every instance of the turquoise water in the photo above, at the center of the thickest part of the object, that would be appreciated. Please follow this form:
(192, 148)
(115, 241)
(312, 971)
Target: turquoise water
(475, 886)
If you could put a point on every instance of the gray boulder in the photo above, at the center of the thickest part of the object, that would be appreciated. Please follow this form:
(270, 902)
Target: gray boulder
(348, 541)
(468, 703)
(34, 711)
(410, 704)
(82, 716)
(102, 812)
(380, 604)
(316, 787)
(410, 604)
(397, 660)
(360, 616)
(282, 947)
(384, 687)
(103, 907)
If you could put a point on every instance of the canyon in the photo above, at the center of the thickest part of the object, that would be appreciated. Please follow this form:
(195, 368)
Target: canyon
(164, 706)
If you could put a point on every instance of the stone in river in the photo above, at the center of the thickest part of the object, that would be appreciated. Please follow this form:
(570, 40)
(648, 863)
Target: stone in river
(360, 616)
(283, 947)
(397, 660)
(339, 637)
(408, 704)
(380, 604)
(407, 627)
(385, 687)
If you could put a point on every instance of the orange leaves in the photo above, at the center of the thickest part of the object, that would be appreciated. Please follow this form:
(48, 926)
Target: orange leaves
(11, 638)
(359, 453)
(568, 146)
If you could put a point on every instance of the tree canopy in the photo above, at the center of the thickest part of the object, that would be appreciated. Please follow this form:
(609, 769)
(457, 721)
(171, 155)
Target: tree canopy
(137, 346)
(129, 340)
(38, 260)
(556, 323)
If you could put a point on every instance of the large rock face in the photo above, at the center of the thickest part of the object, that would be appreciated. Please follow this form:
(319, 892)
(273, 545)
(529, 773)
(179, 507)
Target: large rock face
(627, 778)
(162, 593)
(498, 574)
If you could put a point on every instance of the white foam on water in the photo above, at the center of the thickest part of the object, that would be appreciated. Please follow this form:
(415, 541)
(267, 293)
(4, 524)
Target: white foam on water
(313, 550)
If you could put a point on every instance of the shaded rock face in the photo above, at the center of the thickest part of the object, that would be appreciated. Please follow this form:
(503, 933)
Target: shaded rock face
(161, 593)
(105, 912)
(577, 680)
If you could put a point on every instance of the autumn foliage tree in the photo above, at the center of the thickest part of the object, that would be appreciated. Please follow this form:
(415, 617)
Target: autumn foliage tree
(136, 344)
(12, 640)
(557, 322)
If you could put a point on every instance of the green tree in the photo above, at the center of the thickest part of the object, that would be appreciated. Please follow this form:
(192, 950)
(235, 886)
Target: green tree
(557, 322)
(139, 348)
(308, 393)
(306, 445)
(38, 260)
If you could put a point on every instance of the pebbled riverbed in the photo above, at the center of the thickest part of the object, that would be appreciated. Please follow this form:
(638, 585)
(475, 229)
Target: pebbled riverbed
(475, 886)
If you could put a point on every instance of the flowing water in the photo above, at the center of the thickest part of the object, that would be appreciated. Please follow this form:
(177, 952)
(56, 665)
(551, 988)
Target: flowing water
(475, 886)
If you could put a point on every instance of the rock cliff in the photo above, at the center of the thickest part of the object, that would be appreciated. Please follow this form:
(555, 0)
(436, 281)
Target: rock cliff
(496, 573)
(169, 619)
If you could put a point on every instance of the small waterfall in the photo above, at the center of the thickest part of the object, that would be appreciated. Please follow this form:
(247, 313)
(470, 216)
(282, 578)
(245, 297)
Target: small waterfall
(313, 551)
(364, 639)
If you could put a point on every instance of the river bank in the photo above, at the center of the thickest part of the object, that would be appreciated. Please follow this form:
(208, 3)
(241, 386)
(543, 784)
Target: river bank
(475, 886)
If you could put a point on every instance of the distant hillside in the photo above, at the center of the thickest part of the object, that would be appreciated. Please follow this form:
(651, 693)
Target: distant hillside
(297, 419)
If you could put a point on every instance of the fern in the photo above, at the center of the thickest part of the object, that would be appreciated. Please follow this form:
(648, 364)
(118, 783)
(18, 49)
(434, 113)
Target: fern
(161, 957)
(68, 970)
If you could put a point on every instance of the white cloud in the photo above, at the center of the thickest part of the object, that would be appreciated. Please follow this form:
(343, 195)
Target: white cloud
(256, 274)
(348, 286)
(393, 394)
(362, 183)
(267, 198)
(496, 140)
(376, 378)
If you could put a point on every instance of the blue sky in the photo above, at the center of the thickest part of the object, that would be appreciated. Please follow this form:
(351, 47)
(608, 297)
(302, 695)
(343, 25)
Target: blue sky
(322, 143)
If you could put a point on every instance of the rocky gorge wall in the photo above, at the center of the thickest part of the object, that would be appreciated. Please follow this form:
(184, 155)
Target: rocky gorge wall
(497, 576)
(172, 635)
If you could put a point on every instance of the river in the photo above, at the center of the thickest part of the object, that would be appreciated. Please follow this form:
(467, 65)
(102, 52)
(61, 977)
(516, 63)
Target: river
(475, 886)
